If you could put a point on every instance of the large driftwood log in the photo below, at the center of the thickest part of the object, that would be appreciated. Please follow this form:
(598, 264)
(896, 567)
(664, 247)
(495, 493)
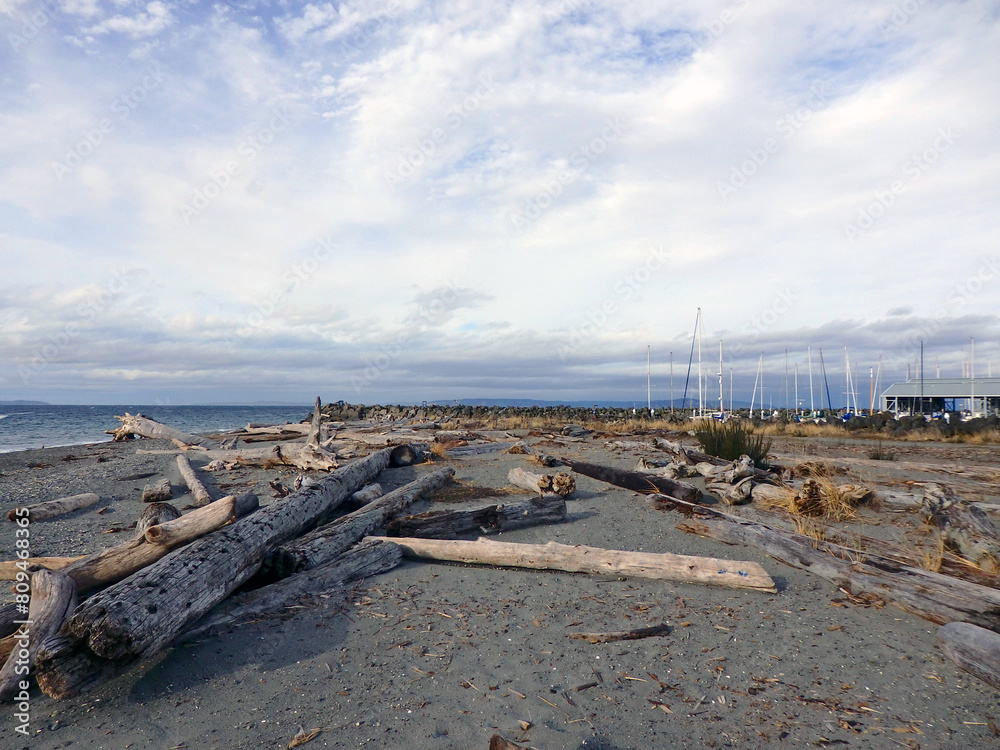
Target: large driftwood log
(580, 559)
(487, 517)
(636, 481)
(52, 508)
(932, 596)
(329, 541)
(974, 649)
(360, 561)
(53, 597)
(299, 455)
(964, 528)
(8, 614)
(150, 428)
(145, 612)
(201, 495)
(10, 568)
(561, 484)
(115, 563)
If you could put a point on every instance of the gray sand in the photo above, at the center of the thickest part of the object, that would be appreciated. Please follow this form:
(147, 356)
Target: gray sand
(443, 656)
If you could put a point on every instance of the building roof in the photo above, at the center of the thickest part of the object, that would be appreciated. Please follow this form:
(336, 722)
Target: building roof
(945, 388)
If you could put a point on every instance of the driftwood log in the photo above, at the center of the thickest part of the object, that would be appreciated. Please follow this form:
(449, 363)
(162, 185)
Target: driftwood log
(9, 568)
(299, 455)
(974, 649)
(636, 481)
(53, 597)
(201, 495)
(580, 559)
(406, 455)
(157, 492)
(963, 527)
(360, 561)
(153, 515)
(484, 517)
(142, 614)
(141, 426)
(115, 563)
(932, 596)
(687, 455)
(8, 614)
(332, 539)
(52, 508)
(561, 484)
(367, 494)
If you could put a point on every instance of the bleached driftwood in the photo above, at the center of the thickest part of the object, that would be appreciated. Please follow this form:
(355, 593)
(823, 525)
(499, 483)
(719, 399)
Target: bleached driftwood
(157, 492)
(153, 515)
(299, 455)
(580, 559)
(636, 481)
(974, 649)
(115, 563)
(150, 428)
(332, 539)
(9, 568)
(367, 494)
(487, 517)
(201, 495)
(932, 596)
(140, 615)
(53, 597)
(561, 484)
(360, 561)
(52, 508)
(963, 527)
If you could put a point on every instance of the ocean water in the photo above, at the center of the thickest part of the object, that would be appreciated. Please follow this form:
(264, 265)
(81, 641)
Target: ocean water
(23, 427)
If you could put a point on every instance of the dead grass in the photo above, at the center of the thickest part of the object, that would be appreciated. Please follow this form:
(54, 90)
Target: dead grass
(819, 497)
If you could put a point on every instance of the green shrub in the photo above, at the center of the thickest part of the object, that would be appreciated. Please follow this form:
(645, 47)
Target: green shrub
(732, 439)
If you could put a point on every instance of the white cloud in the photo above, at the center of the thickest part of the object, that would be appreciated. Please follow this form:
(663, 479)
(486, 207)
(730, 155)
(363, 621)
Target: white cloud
(155, 19)
(481, 115)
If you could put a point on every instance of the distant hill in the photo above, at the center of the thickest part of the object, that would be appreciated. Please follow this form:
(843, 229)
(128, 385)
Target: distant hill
(25, 403)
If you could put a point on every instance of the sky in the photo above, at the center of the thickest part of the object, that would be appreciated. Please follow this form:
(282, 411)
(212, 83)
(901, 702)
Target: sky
(403, 201)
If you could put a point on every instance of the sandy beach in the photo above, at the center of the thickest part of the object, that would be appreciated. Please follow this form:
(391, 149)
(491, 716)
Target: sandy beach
(435, 655)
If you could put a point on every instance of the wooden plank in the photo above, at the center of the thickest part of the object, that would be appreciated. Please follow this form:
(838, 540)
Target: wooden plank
(593, 560)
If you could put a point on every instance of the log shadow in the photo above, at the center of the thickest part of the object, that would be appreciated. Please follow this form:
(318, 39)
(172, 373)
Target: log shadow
(257, 647)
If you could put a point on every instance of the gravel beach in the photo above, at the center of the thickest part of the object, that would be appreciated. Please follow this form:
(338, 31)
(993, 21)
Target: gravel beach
(435, 655)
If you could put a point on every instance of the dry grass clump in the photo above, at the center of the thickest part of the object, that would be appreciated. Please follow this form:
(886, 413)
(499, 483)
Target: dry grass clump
(820, 498)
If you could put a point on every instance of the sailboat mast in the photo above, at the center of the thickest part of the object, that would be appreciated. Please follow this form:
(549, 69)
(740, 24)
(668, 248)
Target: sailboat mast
(649, 398)
(753, 397)
(812, 405)
(701, 397)
(786, 380)
(972, 377)
(796, 389)
(722, 406)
